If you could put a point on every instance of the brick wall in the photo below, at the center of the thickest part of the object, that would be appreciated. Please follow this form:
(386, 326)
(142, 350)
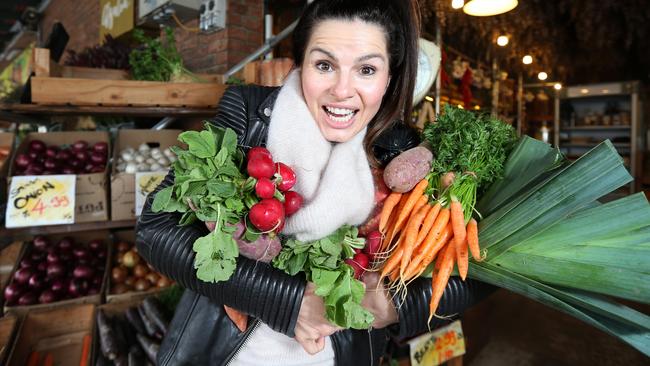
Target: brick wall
(204, 53)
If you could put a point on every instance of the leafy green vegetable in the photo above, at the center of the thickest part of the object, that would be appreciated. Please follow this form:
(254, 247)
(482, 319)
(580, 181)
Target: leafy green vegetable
(323, 263)
(474, 147)
(208, 186)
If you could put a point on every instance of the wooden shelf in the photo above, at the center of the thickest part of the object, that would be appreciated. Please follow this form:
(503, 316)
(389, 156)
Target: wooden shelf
(7, 236)
(595, 128)
(37, 109)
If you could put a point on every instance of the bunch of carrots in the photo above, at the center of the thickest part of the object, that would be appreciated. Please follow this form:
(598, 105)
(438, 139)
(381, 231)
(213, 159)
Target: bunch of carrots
(418, 229)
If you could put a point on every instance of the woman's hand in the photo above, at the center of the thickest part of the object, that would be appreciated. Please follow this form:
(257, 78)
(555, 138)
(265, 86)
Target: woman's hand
(377, 301)
(312, 327)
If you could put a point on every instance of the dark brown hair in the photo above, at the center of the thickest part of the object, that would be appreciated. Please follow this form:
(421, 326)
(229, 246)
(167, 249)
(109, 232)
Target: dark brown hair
(400, 19)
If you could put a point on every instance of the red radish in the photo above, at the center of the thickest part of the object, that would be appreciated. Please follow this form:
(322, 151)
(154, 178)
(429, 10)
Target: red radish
(288, 177)
(362, 259)
(264, 188)
(258, 151)
(373, 243)
(292, 202)
(260, 167)
(267, 214)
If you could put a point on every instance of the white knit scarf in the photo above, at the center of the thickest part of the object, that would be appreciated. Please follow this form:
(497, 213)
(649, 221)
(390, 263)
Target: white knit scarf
(334, 179)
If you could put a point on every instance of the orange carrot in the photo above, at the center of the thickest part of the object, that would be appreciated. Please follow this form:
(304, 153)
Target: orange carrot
(462, 258)
(240, 319)
(392, 262)
(411, 234)
(34, 359)
(391, 230)
(427, 224)
(440, 279)
(413, 198)
(458, 222)
(426, 253)
(85, 351)
(389, 204)
(49, 360)
(472, 240)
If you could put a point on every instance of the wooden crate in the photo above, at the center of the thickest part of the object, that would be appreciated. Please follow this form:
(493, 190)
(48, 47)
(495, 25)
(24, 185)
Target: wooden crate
(59, 332)
(8, 326)
(88, 87)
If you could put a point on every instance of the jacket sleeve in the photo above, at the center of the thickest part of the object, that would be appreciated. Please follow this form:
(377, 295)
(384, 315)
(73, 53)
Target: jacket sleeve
(459, 295)
(255, 288)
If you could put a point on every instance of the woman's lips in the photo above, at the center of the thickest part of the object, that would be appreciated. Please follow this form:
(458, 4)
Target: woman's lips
(339, 118)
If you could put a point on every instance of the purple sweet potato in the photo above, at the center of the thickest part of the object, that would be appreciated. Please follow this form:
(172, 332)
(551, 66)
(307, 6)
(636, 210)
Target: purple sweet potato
(407, 169)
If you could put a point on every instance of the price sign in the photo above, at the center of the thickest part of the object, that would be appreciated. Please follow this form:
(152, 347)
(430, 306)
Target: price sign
(145, 183)
(439, 346)
(41, 200)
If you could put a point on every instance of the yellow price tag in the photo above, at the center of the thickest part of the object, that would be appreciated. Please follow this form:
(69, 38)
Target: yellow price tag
(41, 200)
(439, 346)
(145, 183)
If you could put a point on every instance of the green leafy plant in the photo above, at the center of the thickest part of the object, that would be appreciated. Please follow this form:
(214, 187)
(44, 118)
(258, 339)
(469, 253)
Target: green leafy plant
(157, 59)
(323, 263)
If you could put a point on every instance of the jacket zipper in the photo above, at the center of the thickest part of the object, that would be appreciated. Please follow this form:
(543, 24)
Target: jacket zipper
(245, 341)
(372, 361)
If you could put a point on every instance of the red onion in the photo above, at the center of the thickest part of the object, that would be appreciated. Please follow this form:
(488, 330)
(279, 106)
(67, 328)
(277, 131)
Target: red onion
(37, 146)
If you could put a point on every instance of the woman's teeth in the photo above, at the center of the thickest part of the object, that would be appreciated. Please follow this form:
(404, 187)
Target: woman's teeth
(340, 115)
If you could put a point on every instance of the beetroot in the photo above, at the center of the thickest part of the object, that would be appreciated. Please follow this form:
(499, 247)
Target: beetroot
(292, 202)
(260, 167)
(268, 214)
(264, 188)
(373, 244)
(288, 177)
(258, 151)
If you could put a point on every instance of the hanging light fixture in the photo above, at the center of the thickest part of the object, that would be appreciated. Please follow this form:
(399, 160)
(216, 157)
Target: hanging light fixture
(457, 4)
(502, 41)
(542, 76)
(557, 86)
(527, 60)
(485, 8)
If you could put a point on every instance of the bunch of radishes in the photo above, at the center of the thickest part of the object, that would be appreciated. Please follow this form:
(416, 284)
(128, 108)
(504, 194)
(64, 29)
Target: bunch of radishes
(272, 186)
(78, 158)
(362, 257)
(50, 272)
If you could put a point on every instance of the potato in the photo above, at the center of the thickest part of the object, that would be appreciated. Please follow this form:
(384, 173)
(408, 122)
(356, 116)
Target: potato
(407, 169)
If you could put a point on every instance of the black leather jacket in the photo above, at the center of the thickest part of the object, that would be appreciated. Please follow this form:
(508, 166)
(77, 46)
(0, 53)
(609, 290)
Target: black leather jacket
(202, 334)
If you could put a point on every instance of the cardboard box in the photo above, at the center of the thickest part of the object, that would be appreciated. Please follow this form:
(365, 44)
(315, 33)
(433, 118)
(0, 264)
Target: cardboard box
(59, 332)
(123, 184)
(91, 196)
(131, 296)
(8, 327)
(83, 238)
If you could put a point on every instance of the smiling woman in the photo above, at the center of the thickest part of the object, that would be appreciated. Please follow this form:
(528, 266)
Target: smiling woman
(350, 91)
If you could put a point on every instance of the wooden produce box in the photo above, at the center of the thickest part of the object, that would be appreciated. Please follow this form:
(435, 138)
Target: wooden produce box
(83, 238)
(8, 327)
(6, 146)
(91, 196)
(123, 184)
(59, 332)
(8, 258)
(128, 236)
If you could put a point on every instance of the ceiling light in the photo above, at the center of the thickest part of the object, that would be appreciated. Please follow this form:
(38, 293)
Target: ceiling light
(457, 4)
(502, 41)
(527, 60)
(557, 86)
(542, 75)
(584, 91)
(484, 8)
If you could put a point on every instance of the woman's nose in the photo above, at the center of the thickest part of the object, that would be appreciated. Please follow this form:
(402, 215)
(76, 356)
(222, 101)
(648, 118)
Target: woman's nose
(343, 87)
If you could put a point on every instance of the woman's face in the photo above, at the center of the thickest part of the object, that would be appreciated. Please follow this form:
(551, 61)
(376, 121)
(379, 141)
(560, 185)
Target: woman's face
(345, 74)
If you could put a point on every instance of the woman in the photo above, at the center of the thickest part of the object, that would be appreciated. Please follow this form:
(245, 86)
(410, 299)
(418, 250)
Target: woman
(356, 64)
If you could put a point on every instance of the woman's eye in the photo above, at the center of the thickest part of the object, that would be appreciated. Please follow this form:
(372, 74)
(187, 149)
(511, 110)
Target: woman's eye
(367, 70)
(323, 66)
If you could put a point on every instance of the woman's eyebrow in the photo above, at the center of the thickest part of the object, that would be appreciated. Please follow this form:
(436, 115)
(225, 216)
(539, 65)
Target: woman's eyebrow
(360, 59)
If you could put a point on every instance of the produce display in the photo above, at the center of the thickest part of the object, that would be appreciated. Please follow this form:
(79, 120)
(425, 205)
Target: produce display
(144, 159)
(538, 228)
(131, 337)
(129, 272)
(52, 271)
(78, 158)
